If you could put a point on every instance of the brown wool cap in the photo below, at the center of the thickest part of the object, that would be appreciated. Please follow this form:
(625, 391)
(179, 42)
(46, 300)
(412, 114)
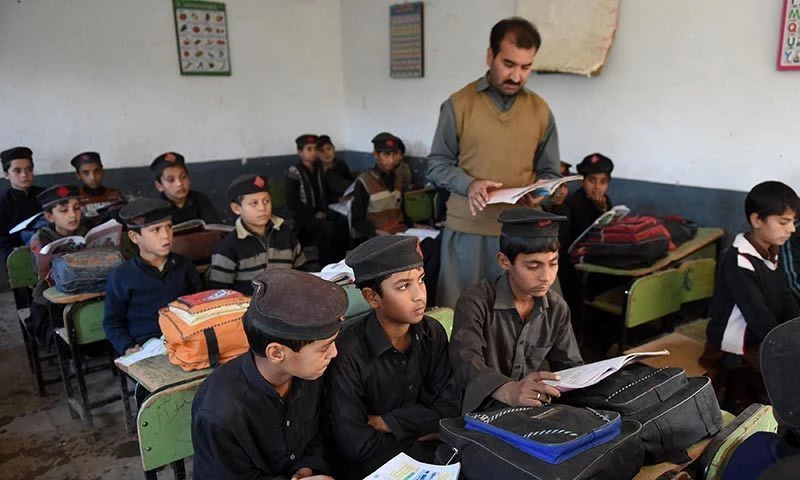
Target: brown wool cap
(382, 256)
(82, 159)
(529, 223)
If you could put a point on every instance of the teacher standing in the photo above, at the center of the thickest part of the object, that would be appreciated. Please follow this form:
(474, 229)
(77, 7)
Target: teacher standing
(493, 133)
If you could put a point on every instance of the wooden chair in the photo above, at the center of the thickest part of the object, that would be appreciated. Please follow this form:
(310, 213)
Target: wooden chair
(83, 325)
(164, 425)
(357, 307)
(22, 277)
(445, 316)
(698, 279)
(418, 205)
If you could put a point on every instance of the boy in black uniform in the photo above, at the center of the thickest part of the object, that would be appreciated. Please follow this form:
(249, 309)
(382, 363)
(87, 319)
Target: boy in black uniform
(751, 295)
(260, 242)
(139, 287)
(172, 180)
(19, 201)
(337, 174)
(306, 196)
(392, 381)
(94, 196)
(512, 332)
(790, 259)
(258, 415)
(590, 201)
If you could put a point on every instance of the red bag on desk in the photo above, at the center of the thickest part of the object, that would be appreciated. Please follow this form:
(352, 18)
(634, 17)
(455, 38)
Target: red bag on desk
(204, 329)
(631, 242)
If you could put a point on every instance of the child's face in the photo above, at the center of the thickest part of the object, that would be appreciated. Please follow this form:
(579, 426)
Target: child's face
(255, 210)
(312, 360)
(308, 154)
(403, 296)
(91, 175)
(596, 185)
(66, 216)
(155, 240)
(387, 161)
(326, 153)
(531, 273)
(775, 229)
(561, 195)
(174, 183)
(20, 174)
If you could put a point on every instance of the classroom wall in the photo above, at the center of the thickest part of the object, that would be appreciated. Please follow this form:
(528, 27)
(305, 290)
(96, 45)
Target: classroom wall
(689, 95)
(104, 75)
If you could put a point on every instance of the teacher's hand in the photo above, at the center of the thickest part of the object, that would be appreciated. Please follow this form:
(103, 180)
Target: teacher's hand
(530, 200)
(478, 194)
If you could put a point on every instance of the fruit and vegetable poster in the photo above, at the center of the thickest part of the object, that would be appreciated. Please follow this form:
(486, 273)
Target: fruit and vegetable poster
(202, 33)
(789, 47)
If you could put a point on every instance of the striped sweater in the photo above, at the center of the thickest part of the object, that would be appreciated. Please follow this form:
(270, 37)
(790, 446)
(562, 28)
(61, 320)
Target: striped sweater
(242, 255)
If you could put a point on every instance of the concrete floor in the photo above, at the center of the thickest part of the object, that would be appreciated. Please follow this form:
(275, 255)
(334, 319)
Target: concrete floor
(38, 437)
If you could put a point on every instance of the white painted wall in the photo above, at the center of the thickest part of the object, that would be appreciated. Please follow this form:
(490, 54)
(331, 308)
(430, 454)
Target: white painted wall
(689, 94)
(103, 74)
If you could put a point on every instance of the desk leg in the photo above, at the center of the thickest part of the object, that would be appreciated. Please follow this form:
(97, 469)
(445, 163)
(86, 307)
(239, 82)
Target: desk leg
(63, 364)
(178, 470)
(80, 372)
(126, 403)
(580, 323)
(151, 474)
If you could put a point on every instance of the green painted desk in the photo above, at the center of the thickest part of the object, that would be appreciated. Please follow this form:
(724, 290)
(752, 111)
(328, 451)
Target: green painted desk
(157, 373)
(54, 296)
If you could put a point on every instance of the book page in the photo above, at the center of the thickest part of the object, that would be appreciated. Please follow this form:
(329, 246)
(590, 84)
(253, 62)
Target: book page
(151, 348)
(543, 187)
(24, 224)
(108, 234)
(336, 272)
(63, 245)
(421, 233)
(588, 375)
(403, 467)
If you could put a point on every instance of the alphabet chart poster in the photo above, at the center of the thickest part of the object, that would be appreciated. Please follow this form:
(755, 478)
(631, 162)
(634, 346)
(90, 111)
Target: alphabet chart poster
(789, 48)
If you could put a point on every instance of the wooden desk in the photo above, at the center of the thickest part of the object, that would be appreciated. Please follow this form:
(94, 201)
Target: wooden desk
(54, 296)
(684, 352)
(156, 373)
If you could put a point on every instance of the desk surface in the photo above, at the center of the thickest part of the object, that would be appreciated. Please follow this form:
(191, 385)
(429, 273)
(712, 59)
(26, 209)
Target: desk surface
(156, 373)
(54, 296)
(705, 236)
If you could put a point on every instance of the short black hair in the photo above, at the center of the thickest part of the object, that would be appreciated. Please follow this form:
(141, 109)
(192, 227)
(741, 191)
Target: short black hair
(7, 165)
(49, 208)
(511, 246)
(258, 339)
(522, 33)
(373, 283)
(770, 198)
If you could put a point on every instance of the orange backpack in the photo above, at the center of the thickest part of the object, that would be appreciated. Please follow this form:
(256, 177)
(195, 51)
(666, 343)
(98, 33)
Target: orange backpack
(204, 329)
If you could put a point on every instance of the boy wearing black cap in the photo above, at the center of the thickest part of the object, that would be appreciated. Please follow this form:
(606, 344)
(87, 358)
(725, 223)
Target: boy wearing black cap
(337, 174)
(174, 183)
(260, 242)
(391, 383)
(306, 197)
(139, 287)
(258, 415)
(94, 196)
(590, 201)
(511, 332)
(18, 202)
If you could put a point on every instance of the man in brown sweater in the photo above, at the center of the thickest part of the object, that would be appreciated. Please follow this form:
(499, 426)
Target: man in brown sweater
(493, 133)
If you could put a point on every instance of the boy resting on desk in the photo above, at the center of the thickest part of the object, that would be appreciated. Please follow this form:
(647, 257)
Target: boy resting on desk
(61, 208)
(391, 383)
(138, 288)
(94, 196)
(260, 242)
(591, 200)
(258, 415)
(174, 183)
(19, 201)
(511, 332)
(751, 295)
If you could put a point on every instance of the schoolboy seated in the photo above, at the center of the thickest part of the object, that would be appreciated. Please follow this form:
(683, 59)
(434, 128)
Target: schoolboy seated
(337, 174)
(511, 332)
(19, 201)
(173, 181)
(260, 242)
(258, 415)
(391, 383)
(590, 201)
(403, 169)
(94, 195)
(138, 288)
(306, 197)
(790, 259)
(751, 294)
(61, 209)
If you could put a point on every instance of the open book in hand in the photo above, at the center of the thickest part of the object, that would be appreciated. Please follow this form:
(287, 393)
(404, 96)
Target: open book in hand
(197, 224)
(108, 234)
(406, 468)
(588, 375)
(542, 187)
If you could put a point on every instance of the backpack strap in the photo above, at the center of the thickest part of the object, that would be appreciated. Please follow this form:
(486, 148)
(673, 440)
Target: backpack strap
(213, 346)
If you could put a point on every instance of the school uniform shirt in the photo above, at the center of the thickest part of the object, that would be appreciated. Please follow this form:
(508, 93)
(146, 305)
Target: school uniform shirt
(136, 290)
(305, 192)
(583, 212)
(16, 206)
(492, 345)
(411, 390)
(242, 429)
(242, 255)
(94, 199)
(337, 179)
(197, 206)
(790, 260)
(751, 297)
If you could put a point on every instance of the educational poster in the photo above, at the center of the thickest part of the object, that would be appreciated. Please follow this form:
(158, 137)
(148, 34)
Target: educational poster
(789, 47)
(202, 33)
(406, 55)
(576, 34)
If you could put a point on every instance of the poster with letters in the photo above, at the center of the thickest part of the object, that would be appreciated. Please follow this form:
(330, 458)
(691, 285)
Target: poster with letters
(789, 47)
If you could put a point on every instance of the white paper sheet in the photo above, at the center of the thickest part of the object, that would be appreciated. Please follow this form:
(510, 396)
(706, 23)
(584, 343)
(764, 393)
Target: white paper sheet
(403, 467)
(588, 375)
(151, 348)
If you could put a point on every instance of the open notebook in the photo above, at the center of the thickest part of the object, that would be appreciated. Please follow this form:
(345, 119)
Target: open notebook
(588, 375)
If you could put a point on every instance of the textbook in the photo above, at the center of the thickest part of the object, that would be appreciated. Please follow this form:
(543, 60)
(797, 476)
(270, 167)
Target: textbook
(30, 222)
(542, 187)
(107, 234)
(613, 215)
(151, 348)
(406, 468)
(420, 233)
(198, 224)
(588, 375)
(337, 273)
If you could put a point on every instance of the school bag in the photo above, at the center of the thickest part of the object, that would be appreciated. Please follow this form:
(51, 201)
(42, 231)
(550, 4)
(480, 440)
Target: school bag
(84, 271)
(675, 411)
(631, 242)
(204, 329)
(486, 455)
